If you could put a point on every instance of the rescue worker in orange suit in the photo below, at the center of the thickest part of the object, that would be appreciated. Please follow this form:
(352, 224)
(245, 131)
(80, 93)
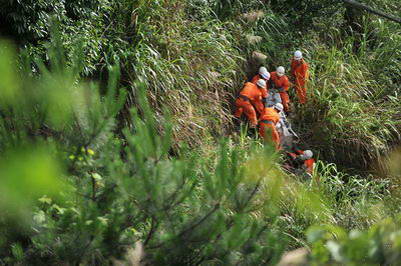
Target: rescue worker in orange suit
(282, 84)
(268, 122)
(251, 100)
(302, 160)
(262, 74)
(300, 74)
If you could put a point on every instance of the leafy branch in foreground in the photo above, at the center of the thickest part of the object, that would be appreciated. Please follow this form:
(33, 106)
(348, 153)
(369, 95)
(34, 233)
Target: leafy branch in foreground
(116, 192)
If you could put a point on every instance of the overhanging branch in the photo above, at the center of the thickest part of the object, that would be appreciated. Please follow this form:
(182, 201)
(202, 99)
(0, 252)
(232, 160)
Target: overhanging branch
(371, 10)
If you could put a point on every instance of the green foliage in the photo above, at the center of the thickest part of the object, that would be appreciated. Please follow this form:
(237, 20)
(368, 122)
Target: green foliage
(357, 102)
(332, 198)
(353, 115)
(100, 26)
(183, 210)
(303, 13)
(174, 55)
(91, 174)
(226, 9)
(377, 246)
(190, 66)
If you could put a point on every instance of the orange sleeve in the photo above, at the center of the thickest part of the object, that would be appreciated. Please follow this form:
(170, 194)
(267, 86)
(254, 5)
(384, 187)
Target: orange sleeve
(299, 152)
(309, 165)
(306, 71)
(286, 84)
(255, 79)
(264, 93)
(302, 72)
(259, 106)
(293, 68)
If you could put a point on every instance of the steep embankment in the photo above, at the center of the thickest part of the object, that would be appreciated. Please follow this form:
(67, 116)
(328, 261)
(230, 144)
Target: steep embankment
(194, 65)
(195, 62)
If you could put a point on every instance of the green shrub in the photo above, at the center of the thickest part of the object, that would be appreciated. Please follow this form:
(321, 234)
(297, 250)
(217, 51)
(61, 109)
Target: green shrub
(91, 174)
(121, 191)
(377, 246)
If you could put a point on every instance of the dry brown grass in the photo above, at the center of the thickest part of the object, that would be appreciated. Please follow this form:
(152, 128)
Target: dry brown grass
(253, 16)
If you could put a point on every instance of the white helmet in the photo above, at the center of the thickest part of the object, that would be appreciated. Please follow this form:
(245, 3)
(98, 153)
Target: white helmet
(279, 107)
(264, 73)
(307, 155)
(261, 83)
(298, 55)
(280, 71)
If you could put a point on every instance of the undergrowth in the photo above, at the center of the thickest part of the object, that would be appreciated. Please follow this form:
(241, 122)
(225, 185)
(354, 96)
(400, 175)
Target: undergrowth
(139, 158)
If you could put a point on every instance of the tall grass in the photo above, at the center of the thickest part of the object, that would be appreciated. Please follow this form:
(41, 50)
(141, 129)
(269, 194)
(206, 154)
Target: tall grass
(190, 66)
(353, 117)
(334, 198)
(212, 204)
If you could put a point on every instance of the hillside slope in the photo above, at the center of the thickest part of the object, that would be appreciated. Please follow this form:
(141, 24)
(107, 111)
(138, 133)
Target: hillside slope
(195, 61)
(118, 142)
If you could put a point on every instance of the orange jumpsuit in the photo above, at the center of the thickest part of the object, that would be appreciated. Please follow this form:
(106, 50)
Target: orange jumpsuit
(308, 164)
(256, 78)
(250, 98)
(299, 71)
(284, 83)
(269, 119)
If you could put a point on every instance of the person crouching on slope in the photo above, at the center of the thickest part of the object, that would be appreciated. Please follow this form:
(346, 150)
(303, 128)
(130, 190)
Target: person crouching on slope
(268, 122)
(282, 84)
(300, 74)
(302, 160)
(250, 101)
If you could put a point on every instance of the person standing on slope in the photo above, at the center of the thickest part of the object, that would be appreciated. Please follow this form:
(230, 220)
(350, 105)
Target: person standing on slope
(250, 101)
(300, 74)
(268, 122)
(282, 84)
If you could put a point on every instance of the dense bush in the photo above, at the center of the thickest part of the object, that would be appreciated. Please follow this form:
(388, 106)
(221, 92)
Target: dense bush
(91, 196)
